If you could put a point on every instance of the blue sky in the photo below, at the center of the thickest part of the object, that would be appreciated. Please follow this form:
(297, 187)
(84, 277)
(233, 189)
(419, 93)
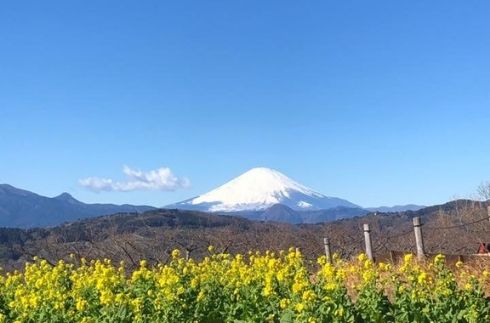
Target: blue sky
(383, 102)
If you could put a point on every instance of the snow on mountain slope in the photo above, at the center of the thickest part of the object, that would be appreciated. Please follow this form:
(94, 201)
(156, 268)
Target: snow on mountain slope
(258, 189)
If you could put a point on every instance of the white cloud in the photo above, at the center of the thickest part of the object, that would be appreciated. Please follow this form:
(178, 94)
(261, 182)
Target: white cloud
(159, 179)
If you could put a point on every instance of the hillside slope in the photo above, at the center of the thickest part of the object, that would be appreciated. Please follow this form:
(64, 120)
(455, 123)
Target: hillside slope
(154, 234)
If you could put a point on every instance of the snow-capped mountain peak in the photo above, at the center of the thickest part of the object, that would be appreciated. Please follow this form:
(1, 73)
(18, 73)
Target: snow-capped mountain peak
(258, 189)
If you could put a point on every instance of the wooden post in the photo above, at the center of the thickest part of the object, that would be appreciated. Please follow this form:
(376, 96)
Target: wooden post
(417, 228)
(326, 242)
(367, 239)
(392, 256)
(488, 212)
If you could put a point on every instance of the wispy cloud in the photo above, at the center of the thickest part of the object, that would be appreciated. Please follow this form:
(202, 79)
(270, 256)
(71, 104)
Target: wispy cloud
(158, 179)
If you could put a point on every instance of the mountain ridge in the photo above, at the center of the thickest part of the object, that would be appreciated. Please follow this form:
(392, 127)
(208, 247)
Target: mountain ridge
(396, 208)
(25, 209)
(259, 189)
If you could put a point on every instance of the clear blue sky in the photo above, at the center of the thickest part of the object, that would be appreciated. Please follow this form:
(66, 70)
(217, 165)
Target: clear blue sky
(384, 102)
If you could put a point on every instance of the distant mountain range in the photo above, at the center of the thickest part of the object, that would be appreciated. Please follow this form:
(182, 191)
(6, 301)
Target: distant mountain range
(267, 195)
(261, 194)
(24, 209)
(283, 213)
(396, 208)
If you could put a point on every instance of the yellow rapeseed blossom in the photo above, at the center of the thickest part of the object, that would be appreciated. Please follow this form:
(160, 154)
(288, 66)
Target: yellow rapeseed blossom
(300, 307)
(175, 253)
(283, 303)
(257, 287)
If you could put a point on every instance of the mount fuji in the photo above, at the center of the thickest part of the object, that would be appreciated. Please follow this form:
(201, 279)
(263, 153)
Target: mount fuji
(258, 190)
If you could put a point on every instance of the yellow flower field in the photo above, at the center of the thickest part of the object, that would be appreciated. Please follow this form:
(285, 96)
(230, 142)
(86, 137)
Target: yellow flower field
(269, 287)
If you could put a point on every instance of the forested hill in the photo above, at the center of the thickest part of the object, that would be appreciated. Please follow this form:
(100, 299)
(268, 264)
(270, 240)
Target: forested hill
(453, 228)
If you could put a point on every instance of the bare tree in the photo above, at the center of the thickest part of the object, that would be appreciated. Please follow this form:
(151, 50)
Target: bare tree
(484, 190)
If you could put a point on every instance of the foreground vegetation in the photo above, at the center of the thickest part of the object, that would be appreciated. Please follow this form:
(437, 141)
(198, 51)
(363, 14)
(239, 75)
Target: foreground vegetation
(252, 288)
